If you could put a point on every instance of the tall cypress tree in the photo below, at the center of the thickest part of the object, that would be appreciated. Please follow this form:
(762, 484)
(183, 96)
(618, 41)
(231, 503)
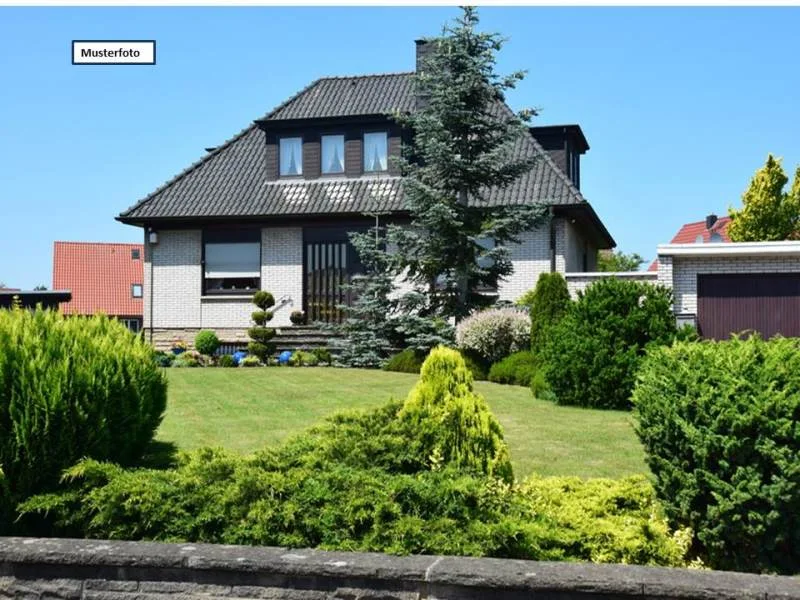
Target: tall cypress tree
(767, 213)
(463, 139)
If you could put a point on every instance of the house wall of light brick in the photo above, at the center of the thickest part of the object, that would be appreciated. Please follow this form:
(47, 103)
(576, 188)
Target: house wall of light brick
(179, 310)
(680, 271)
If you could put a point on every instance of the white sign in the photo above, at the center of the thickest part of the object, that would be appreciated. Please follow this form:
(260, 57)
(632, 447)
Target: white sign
(113, 52)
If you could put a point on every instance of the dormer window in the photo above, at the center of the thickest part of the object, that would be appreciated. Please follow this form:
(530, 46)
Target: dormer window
(375, 151)
(291, 156)
(332, 154)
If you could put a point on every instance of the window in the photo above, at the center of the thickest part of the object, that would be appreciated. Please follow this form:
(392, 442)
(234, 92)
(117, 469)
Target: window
(232, 261)
(332, 154)
(136, 290)
(699, 239)
(135, 254)
(291, 155)
(715, 238)
(375, 145)
(133, 324)
(484, 262)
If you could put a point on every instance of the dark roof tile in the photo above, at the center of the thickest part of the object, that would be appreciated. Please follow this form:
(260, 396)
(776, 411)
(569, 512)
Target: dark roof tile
(230, 181)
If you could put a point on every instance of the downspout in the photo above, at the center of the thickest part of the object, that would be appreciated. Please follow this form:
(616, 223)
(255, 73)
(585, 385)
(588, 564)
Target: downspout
(150, 256)
(552, 240)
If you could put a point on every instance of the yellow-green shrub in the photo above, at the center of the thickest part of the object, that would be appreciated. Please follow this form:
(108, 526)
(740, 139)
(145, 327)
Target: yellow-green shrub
(454, 421)
(71, 387)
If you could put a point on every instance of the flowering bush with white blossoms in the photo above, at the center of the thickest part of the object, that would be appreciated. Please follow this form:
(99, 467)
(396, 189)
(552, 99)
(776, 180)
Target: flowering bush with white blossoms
(495, 333)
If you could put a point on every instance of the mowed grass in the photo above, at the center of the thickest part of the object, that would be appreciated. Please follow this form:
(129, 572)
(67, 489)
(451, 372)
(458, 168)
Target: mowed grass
(247, 409)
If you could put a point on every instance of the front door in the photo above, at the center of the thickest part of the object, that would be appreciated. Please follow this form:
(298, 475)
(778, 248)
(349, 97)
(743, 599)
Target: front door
(329, 262)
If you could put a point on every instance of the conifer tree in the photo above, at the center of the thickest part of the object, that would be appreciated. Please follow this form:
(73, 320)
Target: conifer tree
(463, 137)
(768, 213)
(365, 329)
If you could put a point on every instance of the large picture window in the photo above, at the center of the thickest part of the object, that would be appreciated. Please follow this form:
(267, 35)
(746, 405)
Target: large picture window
(332, 154)
(232, 262)
(291, 156)
(375, 152)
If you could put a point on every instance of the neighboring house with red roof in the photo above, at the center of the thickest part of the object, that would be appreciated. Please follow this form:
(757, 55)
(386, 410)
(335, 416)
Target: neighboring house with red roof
(711, 230)
(103, 277)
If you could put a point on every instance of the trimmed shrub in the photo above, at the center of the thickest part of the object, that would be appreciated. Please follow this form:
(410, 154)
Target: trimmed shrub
(70, 388)
(453, 421)
(250, 361)
(407, 361)
(476, 365)
(546, 303)
(591, 355)
(517, 369)
(206, 342)
(495, 333)
(323, 355)
(255, 500)
(302, 358)
(261, 336)
(226, 361)
(297, 317)
(410, 361)
(720, 423)
(540, 388)
(187, 360)
(163, 359)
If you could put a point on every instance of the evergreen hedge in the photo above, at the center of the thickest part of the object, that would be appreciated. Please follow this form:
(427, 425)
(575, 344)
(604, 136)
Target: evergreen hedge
(546, 303)
(591, 355)
(71, 387)
(720, 423)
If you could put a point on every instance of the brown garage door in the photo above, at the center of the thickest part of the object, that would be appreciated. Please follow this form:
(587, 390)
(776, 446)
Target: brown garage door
(768, 303)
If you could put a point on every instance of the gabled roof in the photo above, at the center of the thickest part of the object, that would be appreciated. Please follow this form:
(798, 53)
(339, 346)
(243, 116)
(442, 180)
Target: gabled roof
(697, 233)
(100, 276)
(230, 181)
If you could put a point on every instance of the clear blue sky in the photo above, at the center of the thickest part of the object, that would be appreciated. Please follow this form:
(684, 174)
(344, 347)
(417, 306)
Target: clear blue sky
(680, 105)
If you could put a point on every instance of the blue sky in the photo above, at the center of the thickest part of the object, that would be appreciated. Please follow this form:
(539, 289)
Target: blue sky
(679, 105)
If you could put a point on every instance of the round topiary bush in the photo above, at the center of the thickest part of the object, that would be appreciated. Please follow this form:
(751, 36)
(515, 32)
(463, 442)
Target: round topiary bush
(206, 342)
(495, 333)
(590, 357)
(720, 423)
(70, 388)
(516, 369)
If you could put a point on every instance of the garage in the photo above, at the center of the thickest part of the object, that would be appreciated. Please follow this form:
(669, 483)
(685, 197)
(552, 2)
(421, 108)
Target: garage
(768, 303)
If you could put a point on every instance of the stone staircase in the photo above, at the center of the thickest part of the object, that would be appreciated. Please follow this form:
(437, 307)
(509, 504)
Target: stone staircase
(305, 337)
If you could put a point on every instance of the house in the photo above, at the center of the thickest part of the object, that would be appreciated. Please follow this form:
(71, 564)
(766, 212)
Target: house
(711, 230)
(103, 278)
(271, 208)
(32, 298)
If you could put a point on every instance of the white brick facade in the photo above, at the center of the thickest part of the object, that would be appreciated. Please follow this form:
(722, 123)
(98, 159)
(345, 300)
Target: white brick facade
(180, 310)
(530, 257)
(680, 272)
(578, 282)
(282, 270)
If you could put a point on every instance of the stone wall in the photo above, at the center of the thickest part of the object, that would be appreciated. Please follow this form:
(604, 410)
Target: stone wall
(53, 569)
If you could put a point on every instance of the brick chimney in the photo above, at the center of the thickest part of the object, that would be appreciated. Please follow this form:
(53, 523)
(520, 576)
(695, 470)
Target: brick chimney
(424, 48)
(710, 220)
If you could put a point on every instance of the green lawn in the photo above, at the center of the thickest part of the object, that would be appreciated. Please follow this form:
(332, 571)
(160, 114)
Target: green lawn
(246, 409)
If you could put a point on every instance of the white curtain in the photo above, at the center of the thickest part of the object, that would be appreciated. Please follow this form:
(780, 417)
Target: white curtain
(375, 151)
(233, 260)
(291, 151)
(333, 154)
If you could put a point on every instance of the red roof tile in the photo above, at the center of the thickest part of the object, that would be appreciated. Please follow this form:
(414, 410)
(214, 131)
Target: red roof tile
(690, 232)
(100, 276)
